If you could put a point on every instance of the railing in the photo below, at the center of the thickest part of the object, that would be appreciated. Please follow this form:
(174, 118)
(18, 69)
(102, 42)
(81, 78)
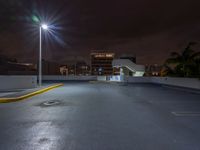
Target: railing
(129, 64)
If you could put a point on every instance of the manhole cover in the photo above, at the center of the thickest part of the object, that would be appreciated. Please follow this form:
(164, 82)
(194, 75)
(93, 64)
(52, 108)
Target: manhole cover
(54, 103)
(51, 103)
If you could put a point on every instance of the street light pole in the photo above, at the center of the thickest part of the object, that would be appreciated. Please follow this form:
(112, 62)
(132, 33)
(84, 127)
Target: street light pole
(40, 58)
(45, 27)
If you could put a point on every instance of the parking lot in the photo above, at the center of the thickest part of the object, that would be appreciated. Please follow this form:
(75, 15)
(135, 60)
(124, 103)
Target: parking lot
(103, 116)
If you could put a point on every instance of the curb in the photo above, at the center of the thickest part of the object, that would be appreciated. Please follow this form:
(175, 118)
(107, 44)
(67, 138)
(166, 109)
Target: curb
(14, 99)
(108, 82)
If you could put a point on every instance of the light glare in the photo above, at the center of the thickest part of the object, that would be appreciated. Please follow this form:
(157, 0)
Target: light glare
(44, 26)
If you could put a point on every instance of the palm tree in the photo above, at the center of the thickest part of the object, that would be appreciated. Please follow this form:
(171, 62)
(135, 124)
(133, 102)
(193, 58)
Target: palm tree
(167, 71)
(197, 67)
(184, 62)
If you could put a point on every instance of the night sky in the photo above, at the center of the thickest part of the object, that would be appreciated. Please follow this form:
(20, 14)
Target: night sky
(149, 29)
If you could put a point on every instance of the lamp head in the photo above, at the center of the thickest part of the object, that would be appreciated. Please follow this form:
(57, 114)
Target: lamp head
(44, 26)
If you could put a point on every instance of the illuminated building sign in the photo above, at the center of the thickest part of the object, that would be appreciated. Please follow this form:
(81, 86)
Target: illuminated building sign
(101, 63)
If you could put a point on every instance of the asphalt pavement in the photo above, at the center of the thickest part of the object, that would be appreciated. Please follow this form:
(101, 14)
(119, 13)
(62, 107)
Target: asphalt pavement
(103, 116)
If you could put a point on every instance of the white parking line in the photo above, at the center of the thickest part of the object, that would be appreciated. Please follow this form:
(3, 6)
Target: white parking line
(186, 114)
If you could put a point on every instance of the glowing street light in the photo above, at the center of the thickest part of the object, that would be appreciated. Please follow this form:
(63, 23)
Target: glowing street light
(44, 27)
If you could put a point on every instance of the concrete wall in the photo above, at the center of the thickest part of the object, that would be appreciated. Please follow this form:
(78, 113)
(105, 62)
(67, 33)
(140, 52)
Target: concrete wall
(101, 78)
(179, 82)
(17, 82)
(67, 78)
(23, 82)
(137, 79)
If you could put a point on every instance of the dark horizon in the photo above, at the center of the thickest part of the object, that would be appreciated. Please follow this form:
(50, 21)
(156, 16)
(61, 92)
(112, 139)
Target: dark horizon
(148, 29)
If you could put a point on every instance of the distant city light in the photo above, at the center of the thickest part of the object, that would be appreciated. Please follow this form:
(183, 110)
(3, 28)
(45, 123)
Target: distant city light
(101, 55)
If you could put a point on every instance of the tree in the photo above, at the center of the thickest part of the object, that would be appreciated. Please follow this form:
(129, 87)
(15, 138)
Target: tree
(184, 64)
(196, 68)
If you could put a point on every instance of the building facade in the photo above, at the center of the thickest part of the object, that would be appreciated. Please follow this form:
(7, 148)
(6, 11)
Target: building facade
(82, 69)
(10, 66)
(101, 63)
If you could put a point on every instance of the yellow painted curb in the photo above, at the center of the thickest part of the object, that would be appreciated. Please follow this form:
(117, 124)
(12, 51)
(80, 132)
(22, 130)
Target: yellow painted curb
(14, 99)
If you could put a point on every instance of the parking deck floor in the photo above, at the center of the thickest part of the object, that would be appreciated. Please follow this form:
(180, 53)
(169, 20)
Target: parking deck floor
(103, 116)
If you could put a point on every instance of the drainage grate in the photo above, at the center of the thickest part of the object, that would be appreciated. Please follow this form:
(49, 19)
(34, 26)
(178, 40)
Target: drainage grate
(51, 103)
(187, 114)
